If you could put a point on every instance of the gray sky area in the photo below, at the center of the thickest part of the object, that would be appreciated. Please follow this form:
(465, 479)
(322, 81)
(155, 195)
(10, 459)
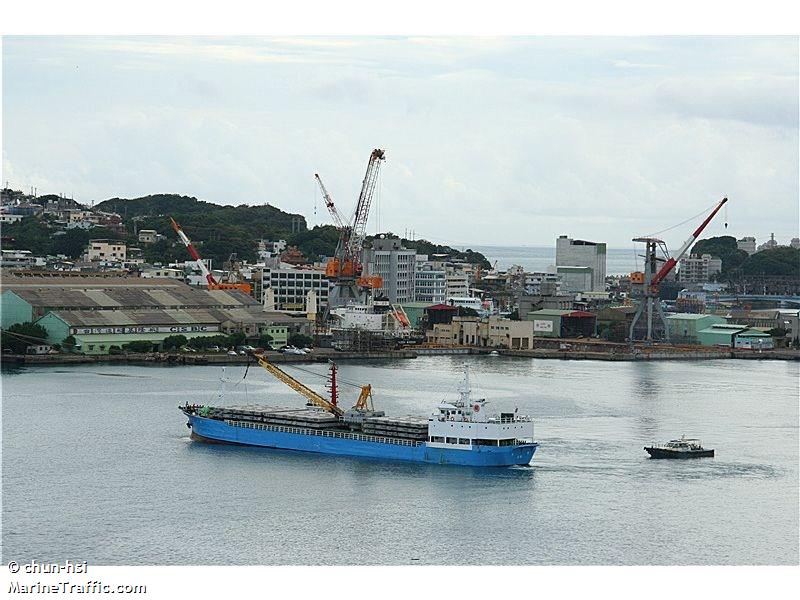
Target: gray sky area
(504, 141)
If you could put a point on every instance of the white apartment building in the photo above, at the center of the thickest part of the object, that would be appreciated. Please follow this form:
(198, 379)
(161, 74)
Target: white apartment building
(104, 250)
(430, 281)
(582, 253)
(748, 244)
(698, 269)
(291, 285)
(534, 281)
(396, 265)
(456, 283)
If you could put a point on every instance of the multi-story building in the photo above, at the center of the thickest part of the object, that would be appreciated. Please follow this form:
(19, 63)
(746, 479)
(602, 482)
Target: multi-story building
(456, 283)
(748, 244)
(698, 269)
(396, 265)
(104, 250)
(582, 253)
(534, 281)
(21, 259)
(291, 285)
(430, 282)
(576, 279)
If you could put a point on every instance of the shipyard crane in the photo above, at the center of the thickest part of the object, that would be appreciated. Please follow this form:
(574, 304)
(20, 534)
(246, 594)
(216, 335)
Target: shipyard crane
(645, 285)
(213, 284)
(346, 269)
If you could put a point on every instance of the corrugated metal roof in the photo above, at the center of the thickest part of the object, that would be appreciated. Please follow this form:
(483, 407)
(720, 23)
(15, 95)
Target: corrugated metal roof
(689, 316)
(134, 298)
(551, 312)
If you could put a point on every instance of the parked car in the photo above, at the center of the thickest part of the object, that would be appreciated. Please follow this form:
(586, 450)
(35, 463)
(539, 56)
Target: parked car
(213, 348)
(232, 353)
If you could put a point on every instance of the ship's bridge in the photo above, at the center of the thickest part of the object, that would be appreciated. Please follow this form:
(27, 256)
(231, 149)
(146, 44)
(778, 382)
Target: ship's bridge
(465, 423)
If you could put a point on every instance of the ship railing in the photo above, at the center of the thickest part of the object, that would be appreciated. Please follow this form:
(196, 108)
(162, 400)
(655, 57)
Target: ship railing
(324, 433)
(517, 419)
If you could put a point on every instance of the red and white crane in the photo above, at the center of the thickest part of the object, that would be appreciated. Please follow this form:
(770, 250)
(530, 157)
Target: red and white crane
(671, 262)
(645, 285)
(213, 284)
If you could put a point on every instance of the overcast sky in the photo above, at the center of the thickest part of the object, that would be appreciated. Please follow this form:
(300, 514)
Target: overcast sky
(503, 141)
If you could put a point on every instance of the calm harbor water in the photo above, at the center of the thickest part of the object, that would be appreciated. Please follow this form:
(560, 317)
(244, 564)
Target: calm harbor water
(98, 465)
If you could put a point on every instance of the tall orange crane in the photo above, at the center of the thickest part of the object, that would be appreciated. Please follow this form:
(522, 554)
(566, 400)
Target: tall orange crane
(346, 269)
(213, 284)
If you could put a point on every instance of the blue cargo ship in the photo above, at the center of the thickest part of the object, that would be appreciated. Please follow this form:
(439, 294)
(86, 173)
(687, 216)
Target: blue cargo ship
(457, 433)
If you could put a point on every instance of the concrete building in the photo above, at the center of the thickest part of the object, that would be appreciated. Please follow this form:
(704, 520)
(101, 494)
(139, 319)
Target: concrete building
(748, 244)
(698, 269)
(430, 282)
(20, 259)
(149, 236)
(9, 218)
(576, 279)
(456, 283)
(492, 332)
(104, 250)
(562, 323)
(396, 265)
(533, 283)
(291, 285)
(582, 253)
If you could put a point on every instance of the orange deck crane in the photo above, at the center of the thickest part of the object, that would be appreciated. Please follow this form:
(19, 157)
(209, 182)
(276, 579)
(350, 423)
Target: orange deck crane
(213, 284)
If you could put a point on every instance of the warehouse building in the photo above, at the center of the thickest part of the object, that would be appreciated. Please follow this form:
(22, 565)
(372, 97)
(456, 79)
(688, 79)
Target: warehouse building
(562, 323)
(492, 332)
(684, 327)
(731, 335)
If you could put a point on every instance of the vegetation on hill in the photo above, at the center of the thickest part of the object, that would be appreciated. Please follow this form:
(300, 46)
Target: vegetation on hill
(782, 261)
(38, 236)
(429, 248)
(217, 231)
(723, 247)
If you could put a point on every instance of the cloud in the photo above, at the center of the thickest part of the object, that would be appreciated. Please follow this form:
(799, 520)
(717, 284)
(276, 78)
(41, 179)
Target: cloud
(489, 140)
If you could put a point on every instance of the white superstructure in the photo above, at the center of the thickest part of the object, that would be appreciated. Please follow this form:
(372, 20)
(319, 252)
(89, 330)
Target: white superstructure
(462, 424)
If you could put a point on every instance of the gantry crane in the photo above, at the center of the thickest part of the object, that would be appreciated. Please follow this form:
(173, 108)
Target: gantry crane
(213, 284)
(645, 285)
(346, 269)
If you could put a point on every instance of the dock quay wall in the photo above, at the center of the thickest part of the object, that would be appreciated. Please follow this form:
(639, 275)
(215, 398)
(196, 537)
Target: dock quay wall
(609, 352)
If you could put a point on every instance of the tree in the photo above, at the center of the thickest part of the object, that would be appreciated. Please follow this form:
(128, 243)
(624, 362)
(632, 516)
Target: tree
(19, 336)
(69, 343)
(265, 341)
(236, 339)
(139, 346)
(783, 261)
(465, 311)
(723, 247)
(301, 341)
(173, 342)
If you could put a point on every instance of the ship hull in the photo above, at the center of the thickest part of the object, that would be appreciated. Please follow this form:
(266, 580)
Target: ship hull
(664, 453)
(214, 430)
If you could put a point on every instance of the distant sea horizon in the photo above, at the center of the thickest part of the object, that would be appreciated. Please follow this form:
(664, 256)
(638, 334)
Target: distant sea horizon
(619, 261)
